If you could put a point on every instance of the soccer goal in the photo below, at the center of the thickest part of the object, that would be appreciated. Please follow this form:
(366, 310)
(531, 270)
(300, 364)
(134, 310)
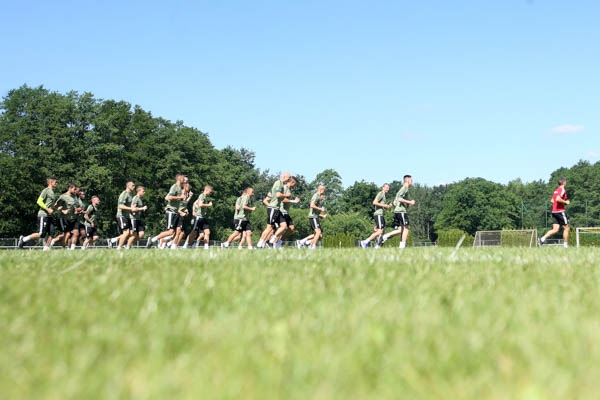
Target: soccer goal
(506, 238)
(589, 236)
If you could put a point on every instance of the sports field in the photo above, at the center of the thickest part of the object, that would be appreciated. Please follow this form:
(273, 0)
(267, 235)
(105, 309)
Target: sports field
(297, 324)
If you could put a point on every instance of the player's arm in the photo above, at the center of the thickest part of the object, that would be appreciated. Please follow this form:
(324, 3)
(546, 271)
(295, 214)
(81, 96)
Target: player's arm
(86, 216)
(316, 207)
(267, 199)
(287, 200)
(376, 203)
(42, 204)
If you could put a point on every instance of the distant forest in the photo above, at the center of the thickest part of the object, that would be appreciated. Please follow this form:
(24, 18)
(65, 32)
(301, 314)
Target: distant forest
(100, 144)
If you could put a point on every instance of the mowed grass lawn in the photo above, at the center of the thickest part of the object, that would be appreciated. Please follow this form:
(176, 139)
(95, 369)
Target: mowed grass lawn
(300, 324)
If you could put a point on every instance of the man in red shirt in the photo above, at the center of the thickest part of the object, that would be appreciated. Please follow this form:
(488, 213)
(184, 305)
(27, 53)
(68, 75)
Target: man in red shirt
(559, 217)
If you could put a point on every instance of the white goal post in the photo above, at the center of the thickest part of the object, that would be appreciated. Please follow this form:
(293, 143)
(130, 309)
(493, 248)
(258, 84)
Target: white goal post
(506, 238)
(588, 236)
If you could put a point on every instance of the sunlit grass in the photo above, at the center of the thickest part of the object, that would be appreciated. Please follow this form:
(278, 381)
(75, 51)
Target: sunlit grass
(299, 324)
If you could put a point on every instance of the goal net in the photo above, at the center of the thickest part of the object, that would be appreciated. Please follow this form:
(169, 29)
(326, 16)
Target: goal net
(506, 238)
(589, 236)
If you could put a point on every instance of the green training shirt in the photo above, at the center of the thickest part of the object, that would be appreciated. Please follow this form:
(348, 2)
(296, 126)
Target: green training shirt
(124, 198)
(176, 191)
(380, 198)
(137, 201)
(316, 199)
(275, 202)
(285, 207)
(67, 202)
(49, 198)
(400, 207)
(92, 213)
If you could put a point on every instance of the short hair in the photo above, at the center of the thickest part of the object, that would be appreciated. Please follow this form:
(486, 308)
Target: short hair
(293, 178)
(406, 176)
(208, 187)
(50, 178)
(562, 181)
(129, 181)
(95, 197)
(385, 184)
(71, 186)
(137, 189)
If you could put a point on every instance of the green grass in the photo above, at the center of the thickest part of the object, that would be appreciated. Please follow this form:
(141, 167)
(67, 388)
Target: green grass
(299, 324)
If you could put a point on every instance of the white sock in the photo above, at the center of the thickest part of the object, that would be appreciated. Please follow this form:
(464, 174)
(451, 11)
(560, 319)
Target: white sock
(543, 239)
(566, 244)
(114, 240)
(402, 245)
(72, 247)
(26, 239)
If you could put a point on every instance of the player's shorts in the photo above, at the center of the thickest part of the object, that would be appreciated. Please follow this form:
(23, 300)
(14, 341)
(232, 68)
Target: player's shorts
(273, 217)
(379, 221)
(287, 219)
(560, 218)
(200, 224)
(173, 218)
(91, 231)
(315, 224)
(123, 223)
(243, 225)
(137, 225)
(82, 230)
(46, 226)
(180, 222)
(68, 225)
(400, 220)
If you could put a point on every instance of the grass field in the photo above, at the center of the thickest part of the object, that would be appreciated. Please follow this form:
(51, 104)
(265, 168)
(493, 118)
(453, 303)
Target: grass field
(299, 324)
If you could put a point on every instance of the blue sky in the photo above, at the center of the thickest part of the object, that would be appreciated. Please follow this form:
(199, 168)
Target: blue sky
(442, 90)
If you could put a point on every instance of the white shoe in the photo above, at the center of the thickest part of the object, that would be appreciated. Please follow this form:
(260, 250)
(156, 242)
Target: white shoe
(364, 244)
(206, 247)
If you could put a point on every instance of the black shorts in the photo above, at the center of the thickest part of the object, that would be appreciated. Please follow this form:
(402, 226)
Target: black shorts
(123, 223)
(200, 224)
(91, 231)
(137, 225)
(273, 217)
(46, 226)
(68, 225)
(400, 220)
(560, 218)
(242, 225)
(379, 221)
(173, 218)
(315, 224)
(287, 219)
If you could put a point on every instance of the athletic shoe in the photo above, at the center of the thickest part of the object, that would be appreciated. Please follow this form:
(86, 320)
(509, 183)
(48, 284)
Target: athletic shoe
(379, 241)
(206, 247)
(149, 243)
(21, 242)
(109, 244)
(364, 244)
(383, 239)
(540, 243)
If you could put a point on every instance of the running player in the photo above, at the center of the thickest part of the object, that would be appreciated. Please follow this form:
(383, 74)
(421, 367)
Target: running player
(66, 204)
(201, 228)
(138, 218)
(273, 213)
(401, 224)
(243, 216)
(173, 198)
(286, 225)
(45, 202)
(380, 205)
(237, 228)
(315, 214)
(124, 210)
(90, 216)
(559, 216)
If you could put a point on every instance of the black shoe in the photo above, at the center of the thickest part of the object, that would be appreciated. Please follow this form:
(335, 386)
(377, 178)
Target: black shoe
(21, 242)
(149, 243)
(540, 243)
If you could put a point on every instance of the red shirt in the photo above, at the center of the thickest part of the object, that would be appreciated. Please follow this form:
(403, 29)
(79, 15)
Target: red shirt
(562, 193)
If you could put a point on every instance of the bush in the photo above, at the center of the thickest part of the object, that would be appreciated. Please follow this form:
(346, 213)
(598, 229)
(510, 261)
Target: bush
(450, 238)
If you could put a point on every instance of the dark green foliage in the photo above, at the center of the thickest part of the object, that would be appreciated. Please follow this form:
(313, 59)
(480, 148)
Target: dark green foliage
(451, 237)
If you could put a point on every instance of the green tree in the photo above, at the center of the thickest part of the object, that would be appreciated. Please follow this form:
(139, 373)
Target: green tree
(477, 204)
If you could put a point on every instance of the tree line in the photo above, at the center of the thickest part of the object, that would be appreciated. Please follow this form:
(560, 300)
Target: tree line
(100, 144)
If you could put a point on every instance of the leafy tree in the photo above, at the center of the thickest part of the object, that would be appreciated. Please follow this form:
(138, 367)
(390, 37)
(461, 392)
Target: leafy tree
(333, 181)
(477, 204)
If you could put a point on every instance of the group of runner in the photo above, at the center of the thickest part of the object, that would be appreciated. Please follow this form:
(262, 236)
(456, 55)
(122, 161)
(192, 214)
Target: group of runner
(77, 221)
